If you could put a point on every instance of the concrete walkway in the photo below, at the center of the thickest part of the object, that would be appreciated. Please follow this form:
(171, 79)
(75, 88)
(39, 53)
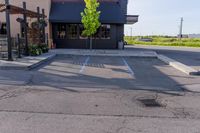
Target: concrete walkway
(121, 53)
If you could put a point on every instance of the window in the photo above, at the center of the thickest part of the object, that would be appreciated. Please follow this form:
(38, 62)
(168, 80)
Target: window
(3, 30)
(105, 31)
(61, 31)
(81, 28)
(97, 35)
(72, 31)
(22, 31)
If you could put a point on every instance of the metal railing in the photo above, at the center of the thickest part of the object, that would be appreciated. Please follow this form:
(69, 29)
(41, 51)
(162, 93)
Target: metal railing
(4, 47)
(18, 46)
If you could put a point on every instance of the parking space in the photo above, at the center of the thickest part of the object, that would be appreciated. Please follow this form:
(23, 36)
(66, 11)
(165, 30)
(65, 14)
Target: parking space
(97, 73)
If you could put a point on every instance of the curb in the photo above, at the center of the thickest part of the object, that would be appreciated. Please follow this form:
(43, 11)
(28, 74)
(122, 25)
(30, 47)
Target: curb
(23, 66)
(179, 66)
(41, 62)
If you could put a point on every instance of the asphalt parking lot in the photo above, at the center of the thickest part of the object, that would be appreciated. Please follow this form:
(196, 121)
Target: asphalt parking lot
(93, 94)
(95, 72)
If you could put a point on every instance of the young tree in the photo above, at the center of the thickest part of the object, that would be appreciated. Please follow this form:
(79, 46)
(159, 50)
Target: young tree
(90, 19)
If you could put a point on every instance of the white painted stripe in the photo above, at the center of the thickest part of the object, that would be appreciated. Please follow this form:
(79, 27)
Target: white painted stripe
(84, 65)
(129, 68)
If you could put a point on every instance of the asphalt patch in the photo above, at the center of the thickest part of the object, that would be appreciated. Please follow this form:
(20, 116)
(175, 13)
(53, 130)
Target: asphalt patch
(150, 103)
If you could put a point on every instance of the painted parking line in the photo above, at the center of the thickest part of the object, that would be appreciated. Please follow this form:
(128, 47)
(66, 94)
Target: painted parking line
(84, 65)
(131, 72)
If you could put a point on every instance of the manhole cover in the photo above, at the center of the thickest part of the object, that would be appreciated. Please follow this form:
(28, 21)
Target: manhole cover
(150, 103)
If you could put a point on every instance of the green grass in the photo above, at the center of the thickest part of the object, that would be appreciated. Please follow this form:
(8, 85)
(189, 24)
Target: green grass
(165, 41)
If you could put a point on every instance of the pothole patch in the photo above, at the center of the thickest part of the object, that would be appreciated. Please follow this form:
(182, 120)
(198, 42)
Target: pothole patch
(151, 103)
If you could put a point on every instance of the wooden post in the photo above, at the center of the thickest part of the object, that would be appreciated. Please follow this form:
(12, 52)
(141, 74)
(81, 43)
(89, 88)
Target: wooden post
(25, 30)
(38, 19)
(19, 46)
(38, 11)
(46, 39)
(8, 31)
(43, 29)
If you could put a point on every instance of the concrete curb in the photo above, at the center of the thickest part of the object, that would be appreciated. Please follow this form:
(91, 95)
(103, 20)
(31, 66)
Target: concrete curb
(36, 61)
(179, 66)
(41, 62)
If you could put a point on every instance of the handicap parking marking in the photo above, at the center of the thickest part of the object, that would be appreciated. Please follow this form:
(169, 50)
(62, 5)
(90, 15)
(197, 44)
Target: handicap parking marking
(131, 72)
(84, 65)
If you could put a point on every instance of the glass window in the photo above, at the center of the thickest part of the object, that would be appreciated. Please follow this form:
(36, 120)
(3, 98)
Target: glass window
(3, 30)
(22, 31)
(97, 35)
(105, 31)
(72, 31)
(61, 31)
(81, 28)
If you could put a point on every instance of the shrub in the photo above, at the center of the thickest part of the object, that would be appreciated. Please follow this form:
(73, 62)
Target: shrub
(44, 48)
(36, 50)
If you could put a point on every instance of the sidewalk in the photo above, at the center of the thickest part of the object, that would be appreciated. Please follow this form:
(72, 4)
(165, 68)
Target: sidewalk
(120, 53)
(26, 62)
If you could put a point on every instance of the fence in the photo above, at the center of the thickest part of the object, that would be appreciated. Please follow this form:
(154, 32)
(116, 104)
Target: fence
(16, 51)
(18, 46)
(3, 46)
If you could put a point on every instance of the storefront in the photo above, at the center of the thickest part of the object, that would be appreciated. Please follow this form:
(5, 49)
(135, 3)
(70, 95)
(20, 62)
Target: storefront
(67, 29)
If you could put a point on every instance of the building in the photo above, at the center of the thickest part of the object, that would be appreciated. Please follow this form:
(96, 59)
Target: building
(193, 35)
(64, 22)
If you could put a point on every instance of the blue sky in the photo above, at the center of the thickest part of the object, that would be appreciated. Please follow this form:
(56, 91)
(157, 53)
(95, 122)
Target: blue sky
(162, 17)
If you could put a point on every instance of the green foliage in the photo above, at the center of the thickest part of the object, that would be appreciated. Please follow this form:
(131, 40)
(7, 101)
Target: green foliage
(44, 48)
(90, 18)
(36, 50)
(164, 41)
(41, 24)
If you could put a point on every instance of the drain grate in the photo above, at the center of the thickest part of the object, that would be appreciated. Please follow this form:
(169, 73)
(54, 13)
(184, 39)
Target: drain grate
(150, 103)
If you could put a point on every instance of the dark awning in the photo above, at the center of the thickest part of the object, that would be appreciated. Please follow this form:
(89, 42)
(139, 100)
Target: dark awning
(69, 12)
(131, 19)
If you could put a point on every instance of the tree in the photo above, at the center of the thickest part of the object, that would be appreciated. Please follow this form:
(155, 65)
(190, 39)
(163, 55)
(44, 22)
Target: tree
(90, 19)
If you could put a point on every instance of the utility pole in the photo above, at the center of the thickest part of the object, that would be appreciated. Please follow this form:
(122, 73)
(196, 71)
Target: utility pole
(181, 29)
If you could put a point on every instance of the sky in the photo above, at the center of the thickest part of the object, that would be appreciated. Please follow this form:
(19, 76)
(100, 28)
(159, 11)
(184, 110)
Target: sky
(162, 17)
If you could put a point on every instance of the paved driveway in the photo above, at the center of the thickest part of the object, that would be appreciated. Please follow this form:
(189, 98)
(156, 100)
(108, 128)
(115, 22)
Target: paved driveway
(187, 56)
(93, 73)
(101, 73)
(91, 94)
